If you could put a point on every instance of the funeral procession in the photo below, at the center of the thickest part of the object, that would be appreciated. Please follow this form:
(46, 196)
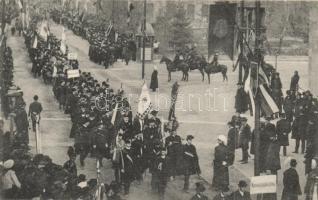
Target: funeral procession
(158, 100)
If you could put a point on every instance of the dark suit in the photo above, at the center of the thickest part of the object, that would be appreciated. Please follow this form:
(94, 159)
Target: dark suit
(245, 137)
(291, 185)
(237, 196)
(199, 197)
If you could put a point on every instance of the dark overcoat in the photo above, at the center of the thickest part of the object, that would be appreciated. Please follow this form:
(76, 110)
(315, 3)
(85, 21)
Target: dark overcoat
(220, 167)
(291, 185)
(154, 80)
(283, 128)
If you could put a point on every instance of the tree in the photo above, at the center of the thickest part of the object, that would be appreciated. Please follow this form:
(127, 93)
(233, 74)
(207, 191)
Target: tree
(181, 33)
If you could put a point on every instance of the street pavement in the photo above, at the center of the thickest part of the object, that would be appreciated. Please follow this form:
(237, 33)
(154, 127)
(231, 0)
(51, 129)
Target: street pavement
(202, 109)
(55, 128)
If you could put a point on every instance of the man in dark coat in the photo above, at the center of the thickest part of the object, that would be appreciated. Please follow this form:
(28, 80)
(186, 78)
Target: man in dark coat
(174, 146)
(199, 192)
(299, 132)
(220, 165)
(294, 82)
(276, 86)
(288, 106)
(191, 161)
(100, 142)
(241, 99)
(283, 128)
(154, 79)
(241, 193)
(245, 137)
(291, 183)
(232, 140)
(312, 182)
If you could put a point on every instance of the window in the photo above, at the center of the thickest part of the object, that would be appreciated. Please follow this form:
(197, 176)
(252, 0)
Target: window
(190, 11)
(205, 10)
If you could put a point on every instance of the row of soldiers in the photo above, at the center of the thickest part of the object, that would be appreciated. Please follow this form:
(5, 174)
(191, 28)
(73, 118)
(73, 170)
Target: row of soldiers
(106, 45)
(133, 145)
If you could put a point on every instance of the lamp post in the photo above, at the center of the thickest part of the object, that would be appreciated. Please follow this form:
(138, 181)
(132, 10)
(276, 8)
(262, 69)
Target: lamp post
(144, 40)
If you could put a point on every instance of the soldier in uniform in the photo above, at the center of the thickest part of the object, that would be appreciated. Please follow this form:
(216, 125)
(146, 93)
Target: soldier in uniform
(161, 173)
(128, 170)
(82, 142)
(220, 165)
(191, 162)
(70, 165)
(35, 110)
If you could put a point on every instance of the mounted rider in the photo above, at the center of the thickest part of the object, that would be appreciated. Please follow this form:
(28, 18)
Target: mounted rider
(215, 60)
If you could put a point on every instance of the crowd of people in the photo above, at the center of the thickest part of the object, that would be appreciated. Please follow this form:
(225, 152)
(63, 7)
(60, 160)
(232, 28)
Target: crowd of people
(106, 45)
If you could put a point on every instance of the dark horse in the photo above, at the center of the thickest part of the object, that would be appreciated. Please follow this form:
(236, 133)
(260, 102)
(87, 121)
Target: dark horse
(172, 67)
(210, 68)
(194, 63)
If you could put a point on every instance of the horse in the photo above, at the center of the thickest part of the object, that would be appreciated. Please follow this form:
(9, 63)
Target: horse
(194, 63)
(172, 67)
(210, 68)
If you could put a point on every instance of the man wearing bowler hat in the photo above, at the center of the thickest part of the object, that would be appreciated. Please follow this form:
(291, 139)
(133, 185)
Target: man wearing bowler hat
(199, 192)
(241, 193)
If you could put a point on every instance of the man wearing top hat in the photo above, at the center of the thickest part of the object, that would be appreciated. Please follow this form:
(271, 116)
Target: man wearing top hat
(241, 99)
(191, 161)
(291, 189)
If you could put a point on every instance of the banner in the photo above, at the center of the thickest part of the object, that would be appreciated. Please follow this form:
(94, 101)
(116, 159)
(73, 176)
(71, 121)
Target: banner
(73, 73)
(221, 29)
(263, 184)
(144, 105)
(72, 56)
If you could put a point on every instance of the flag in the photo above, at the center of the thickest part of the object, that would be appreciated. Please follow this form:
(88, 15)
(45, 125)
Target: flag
(63, 36)
(144, 104)
(63, 47)
(19, 4)
(248, 89)
(114, 114)
(268, 105)
(35, 42)
(44, 30)
(221, 29)
(85, 5)
(130, 8)
(76, 4)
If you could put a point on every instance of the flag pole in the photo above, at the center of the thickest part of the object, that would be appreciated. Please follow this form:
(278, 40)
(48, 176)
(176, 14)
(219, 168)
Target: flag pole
(144, 41)
(241, 31)
(257, 96)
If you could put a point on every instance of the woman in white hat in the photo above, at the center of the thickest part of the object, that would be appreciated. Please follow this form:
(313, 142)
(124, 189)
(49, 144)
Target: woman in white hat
(10, 182)
(220, 165)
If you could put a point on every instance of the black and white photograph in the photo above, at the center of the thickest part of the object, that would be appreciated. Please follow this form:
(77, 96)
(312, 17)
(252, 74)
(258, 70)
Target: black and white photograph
(159, 100)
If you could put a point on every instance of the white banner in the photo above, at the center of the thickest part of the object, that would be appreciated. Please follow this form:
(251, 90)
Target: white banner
(263, 184)
(73, 73)
(72, 56)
